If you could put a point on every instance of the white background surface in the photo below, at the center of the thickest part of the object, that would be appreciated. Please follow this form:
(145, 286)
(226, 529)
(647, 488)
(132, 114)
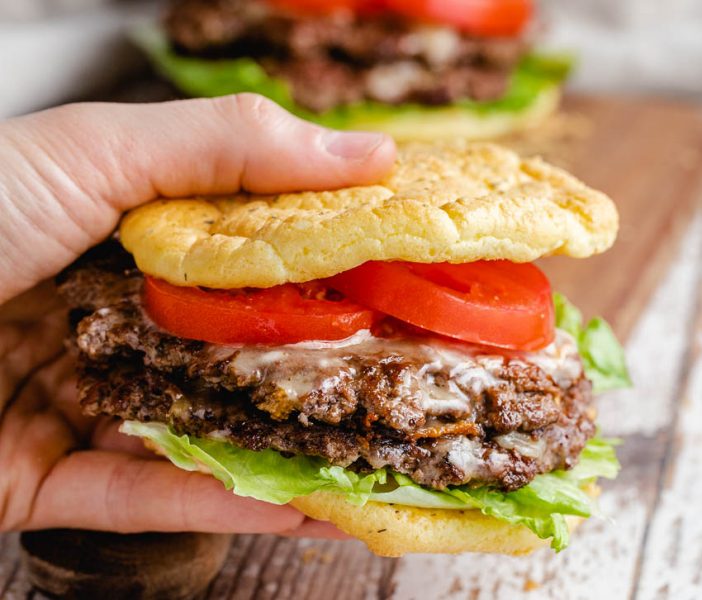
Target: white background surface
(54, 49)
(51, 50)
(637, 45)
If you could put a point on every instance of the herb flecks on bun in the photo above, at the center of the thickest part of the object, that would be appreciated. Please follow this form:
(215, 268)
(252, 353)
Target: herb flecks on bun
(385, 357)
(454, 202)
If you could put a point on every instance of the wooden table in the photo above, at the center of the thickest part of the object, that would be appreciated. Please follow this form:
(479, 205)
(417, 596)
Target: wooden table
(650, 546)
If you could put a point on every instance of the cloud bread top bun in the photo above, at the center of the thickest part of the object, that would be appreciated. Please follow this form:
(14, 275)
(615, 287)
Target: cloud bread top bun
(455, 202)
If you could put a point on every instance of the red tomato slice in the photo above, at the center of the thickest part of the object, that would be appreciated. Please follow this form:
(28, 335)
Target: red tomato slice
(283, 314)
(495, 303)
(480, 17)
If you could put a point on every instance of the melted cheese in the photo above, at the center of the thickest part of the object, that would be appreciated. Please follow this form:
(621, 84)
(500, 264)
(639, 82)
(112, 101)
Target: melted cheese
(447, 373)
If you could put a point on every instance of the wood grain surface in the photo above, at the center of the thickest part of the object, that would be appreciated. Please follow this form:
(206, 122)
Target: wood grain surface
(648, 156)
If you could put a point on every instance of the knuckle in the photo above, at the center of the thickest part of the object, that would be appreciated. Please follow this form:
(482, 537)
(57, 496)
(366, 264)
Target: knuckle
(252, 110)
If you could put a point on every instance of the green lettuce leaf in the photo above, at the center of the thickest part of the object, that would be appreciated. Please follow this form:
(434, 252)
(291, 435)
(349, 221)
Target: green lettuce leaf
(267, 475)
(219, 77)
(602, 354)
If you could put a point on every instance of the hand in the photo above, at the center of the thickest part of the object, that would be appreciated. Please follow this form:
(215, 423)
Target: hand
(67, 175)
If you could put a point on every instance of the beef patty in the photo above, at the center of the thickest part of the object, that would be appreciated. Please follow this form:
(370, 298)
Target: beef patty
(338, 59)
(441, 412)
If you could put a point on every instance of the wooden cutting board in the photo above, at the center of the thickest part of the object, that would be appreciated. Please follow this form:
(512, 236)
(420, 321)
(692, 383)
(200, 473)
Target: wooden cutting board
(647, 155)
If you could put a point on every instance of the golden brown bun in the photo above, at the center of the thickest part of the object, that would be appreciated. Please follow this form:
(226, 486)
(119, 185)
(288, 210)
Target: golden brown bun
(394, 530)
(455, 202)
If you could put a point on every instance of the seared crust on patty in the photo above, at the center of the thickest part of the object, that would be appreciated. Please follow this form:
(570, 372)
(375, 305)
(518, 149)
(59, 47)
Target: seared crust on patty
(480, 419)
(388, 389)
(145, 395)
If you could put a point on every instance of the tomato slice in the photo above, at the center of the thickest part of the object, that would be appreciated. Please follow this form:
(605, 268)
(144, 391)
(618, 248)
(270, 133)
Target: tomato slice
(283, 314)
(495, 303)
(479, 17)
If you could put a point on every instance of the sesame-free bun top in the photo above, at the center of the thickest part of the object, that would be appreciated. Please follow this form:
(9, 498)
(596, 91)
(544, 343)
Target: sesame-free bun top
(456, 202)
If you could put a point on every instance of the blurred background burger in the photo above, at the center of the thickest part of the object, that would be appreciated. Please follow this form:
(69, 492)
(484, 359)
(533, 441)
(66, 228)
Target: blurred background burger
(58, 50)
(416, 69)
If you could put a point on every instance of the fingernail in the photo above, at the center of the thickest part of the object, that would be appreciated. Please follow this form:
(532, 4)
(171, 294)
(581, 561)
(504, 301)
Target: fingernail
(354, 144)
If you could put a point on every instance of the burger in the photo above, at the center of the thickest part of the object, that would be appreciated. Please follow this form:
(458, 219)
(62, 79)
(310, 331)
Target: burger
(384, 357)
(416, 69)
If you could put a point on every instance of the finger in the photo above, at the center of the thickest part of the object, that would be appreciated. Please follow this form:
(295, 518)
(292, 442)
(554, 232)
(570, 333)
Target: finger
(317, 529)
(74, 168)
(107, 436)
(130, 153)
(57, 384)
(215, 146)
(206, 146)
(32, 329)
(116, 492)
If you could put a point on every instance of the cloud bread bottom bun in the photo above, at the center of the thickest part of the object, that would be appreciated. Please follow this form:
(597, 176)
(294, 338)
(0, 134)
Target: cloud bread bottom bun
(394, 530)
